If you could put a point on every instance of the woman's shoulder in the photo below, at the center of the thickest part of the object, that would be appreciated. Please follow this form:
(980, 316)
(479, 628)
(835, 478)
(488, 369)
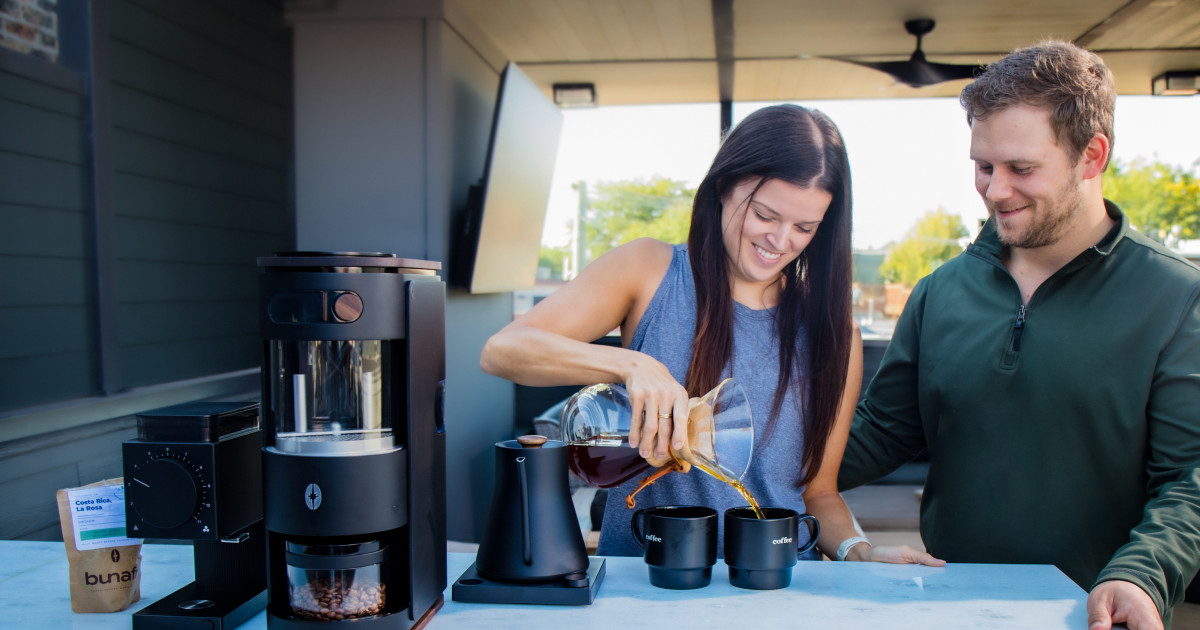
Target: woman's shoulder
(637, 268)
(646, 257)
(649, 248)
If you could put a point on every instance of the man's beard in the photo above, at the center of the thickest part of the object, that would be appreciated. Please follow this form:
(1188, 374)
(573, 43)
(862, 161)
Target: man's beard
(1048, 222)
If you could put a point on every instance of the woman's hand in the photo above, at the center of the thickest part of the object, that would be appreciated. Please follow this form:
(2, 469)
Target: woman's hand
(898, 554)
(660, 410)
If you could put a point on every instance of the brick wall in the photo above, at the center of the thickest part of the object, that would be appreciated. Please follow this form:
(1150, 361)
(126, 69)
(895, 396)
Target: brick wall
(31, 27)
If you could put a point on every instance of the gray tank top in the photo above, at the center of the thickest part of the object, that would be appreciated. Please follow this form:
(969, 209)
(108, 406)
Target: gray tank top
(665, 332)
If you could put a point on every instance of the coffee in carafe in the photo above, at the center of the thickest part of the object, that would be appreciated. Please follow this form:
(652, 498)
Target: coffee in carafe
(605, 461)
(596, 423)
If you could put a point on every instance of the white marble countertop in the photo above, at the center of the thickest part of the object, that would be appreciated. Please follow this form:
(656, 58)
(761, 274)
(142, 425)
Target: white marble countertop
(844, 595)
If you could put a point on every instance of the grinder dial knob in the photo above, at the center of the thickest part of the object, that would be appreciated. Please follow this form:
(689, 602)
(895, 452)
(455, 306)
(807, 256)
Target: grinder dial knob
(164, 492)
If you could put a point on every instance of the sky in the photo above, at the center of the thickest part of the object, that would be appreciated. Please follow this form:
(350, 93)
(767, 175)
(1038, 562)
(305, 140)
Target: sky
(907, 156)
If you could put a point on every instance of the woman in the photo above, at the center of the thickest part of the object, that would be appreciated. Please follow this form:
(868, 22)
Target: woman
(760, 292)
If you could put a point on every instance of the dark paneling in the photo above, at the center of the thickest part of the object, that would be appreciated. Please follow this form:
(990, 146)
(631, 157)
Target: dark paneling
(200, 170)
(43, 281)
(184, 320)
(152, 116)
(44, 377)
(52, 74)
(135, 69)
(32, 470)
(201, 94)
(47, 347)
(41, 232)
(189, 358)
(168, 281)
(250, 30)
(145, 240)
(160, 322)
(26, 513)
(154, 158)
(40, 95)
(42, 133)
(31, 331)
(197, 43)
(169, 201)
(38, 182)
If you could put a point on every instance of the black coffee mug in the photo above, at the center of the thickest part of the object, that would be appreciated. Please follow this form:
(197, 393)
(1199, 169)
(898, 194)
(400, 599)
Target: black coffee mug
(679, 544)
(761, 552)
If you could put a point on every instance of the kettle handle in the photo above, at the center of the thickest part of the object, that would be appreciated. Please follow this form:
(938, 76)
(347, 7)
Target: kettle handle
(526, 543)
(636, 525)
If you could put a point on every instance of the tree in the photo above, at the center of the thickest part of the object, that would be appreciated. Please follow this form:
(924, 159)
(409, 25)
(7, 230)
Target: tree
(932, 241)
(623, 210)
(552, 258)
(1156, 197)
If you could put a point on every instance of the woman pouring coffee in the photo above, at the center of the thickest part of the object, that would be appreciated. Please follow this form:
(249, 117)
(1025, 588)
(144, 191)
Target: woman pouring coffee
(760, 293)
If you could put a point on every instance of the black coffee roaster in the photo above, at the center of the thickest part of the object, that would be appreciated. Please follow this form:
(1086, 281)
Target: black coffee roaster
(354, 461)
(195, 473)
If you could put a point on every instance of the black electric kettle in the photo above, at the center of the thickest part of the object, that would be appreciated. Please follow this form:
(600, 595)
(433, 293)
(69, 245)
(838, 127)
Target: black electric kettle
(533, 534)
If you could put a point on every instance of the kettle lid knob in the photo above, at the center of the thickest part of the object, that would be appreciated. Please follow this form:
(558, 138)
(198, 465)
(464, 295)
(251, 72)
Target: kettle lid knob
(532, 441)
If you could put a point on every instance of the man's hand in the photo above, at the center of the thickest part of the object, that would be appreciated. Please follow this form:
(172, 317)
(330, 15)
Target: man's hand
(1117, 601)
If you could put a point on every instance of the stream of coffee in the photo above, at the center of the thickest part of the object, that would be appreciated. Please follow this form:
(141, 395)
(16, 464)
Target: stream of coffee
(607, 461)
(737, 485)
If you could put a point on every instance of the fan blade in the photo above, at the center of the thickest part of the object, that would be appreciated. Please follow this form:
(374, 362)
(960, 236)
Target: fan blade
(919, 73)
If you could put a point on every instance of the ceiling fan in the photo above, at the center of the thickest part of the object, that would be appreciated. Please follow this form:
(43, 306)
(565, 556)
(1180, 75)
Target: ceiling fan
(916, 72)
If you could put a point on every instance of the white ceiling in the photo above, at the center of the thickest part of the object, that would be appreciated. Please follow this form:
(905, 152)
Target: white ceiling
(666, 51)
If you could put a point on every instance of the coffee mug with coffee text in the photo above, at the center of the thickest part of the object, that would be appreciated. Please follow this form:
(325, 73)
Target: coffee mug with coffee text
(679, 544)
(761, 552)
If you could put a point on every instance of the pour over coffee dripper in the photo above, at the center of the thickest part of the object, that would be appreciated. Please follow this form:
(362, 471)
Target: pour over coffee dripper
(596, 423)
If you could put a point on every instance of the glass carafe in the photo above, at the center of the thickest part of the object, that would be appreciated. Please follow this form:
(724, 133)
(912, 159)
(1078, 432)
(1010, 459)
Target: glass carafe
(595, 425)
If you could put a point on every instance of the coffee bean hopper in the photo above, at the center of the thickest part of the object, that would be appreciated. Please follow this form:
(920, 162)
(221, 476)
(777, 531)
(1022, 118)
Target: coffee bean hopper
(354, 463)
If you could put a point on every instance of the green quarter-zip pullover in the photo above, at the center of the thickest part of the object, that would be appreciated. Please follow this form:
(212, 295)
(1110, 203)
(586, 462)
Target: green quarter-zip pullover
(1064, 431)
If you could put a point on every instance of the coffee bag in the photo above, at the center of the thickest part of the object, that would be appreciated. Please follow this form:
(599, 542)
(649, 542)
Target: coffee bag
(105, 566)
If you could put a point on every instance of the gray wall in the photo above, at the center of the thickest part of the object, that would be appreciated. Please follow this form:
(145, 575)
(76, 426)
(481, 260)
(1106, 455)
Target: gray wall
(361, 136)
(201, 162)
(130, 248)
(150, 271)
(139, 180)
(480, 406)
(47, 349)
(393, 113)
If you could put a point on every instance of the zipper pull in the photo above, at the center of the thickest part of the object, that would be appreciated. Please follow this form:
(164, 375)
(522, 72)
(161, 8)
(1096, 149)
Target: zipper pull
(1018, 326)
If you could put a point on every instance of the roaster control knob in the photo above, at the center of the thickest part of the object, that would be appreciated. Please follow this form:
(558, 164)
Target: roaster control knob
(164, 492)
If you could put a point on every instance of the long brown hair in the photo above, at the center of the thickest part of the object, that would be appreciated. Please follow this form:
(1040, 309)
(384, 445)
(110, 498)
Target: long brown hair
(803, 148)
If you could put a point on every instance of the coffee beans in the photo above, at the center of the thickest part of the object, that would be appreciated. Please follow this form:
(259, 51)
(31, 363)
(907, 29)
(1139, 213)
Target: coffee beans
(323, 599)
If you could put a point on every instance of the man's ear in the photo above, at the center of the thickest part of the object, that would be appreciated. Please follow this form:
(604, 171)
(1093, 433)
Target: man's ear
(1095, 156)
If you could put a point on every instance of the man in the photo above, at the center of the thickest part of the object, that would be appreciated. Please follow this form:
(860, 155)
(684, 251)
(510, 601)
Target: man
(1053, 369)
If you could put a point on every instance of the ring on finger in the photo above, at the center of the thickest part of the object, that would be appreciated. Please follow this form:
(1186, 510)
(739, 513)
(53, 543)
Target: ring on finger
(663, 416)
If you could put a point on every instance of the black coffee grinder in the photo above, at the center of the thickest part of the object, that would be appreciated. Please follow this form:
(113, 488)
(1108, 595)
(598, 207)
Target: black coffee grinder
(354, 462)
(195, 473)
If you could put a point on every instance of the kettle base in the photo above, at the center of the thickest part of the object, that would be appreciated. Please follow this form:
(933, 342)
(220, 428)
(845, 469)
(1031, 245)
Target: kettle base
(569, 591)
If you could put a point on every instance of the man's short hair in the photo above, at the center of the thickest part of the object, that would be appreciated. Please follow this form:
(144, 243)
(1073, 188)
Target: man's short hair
(1071, 82)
